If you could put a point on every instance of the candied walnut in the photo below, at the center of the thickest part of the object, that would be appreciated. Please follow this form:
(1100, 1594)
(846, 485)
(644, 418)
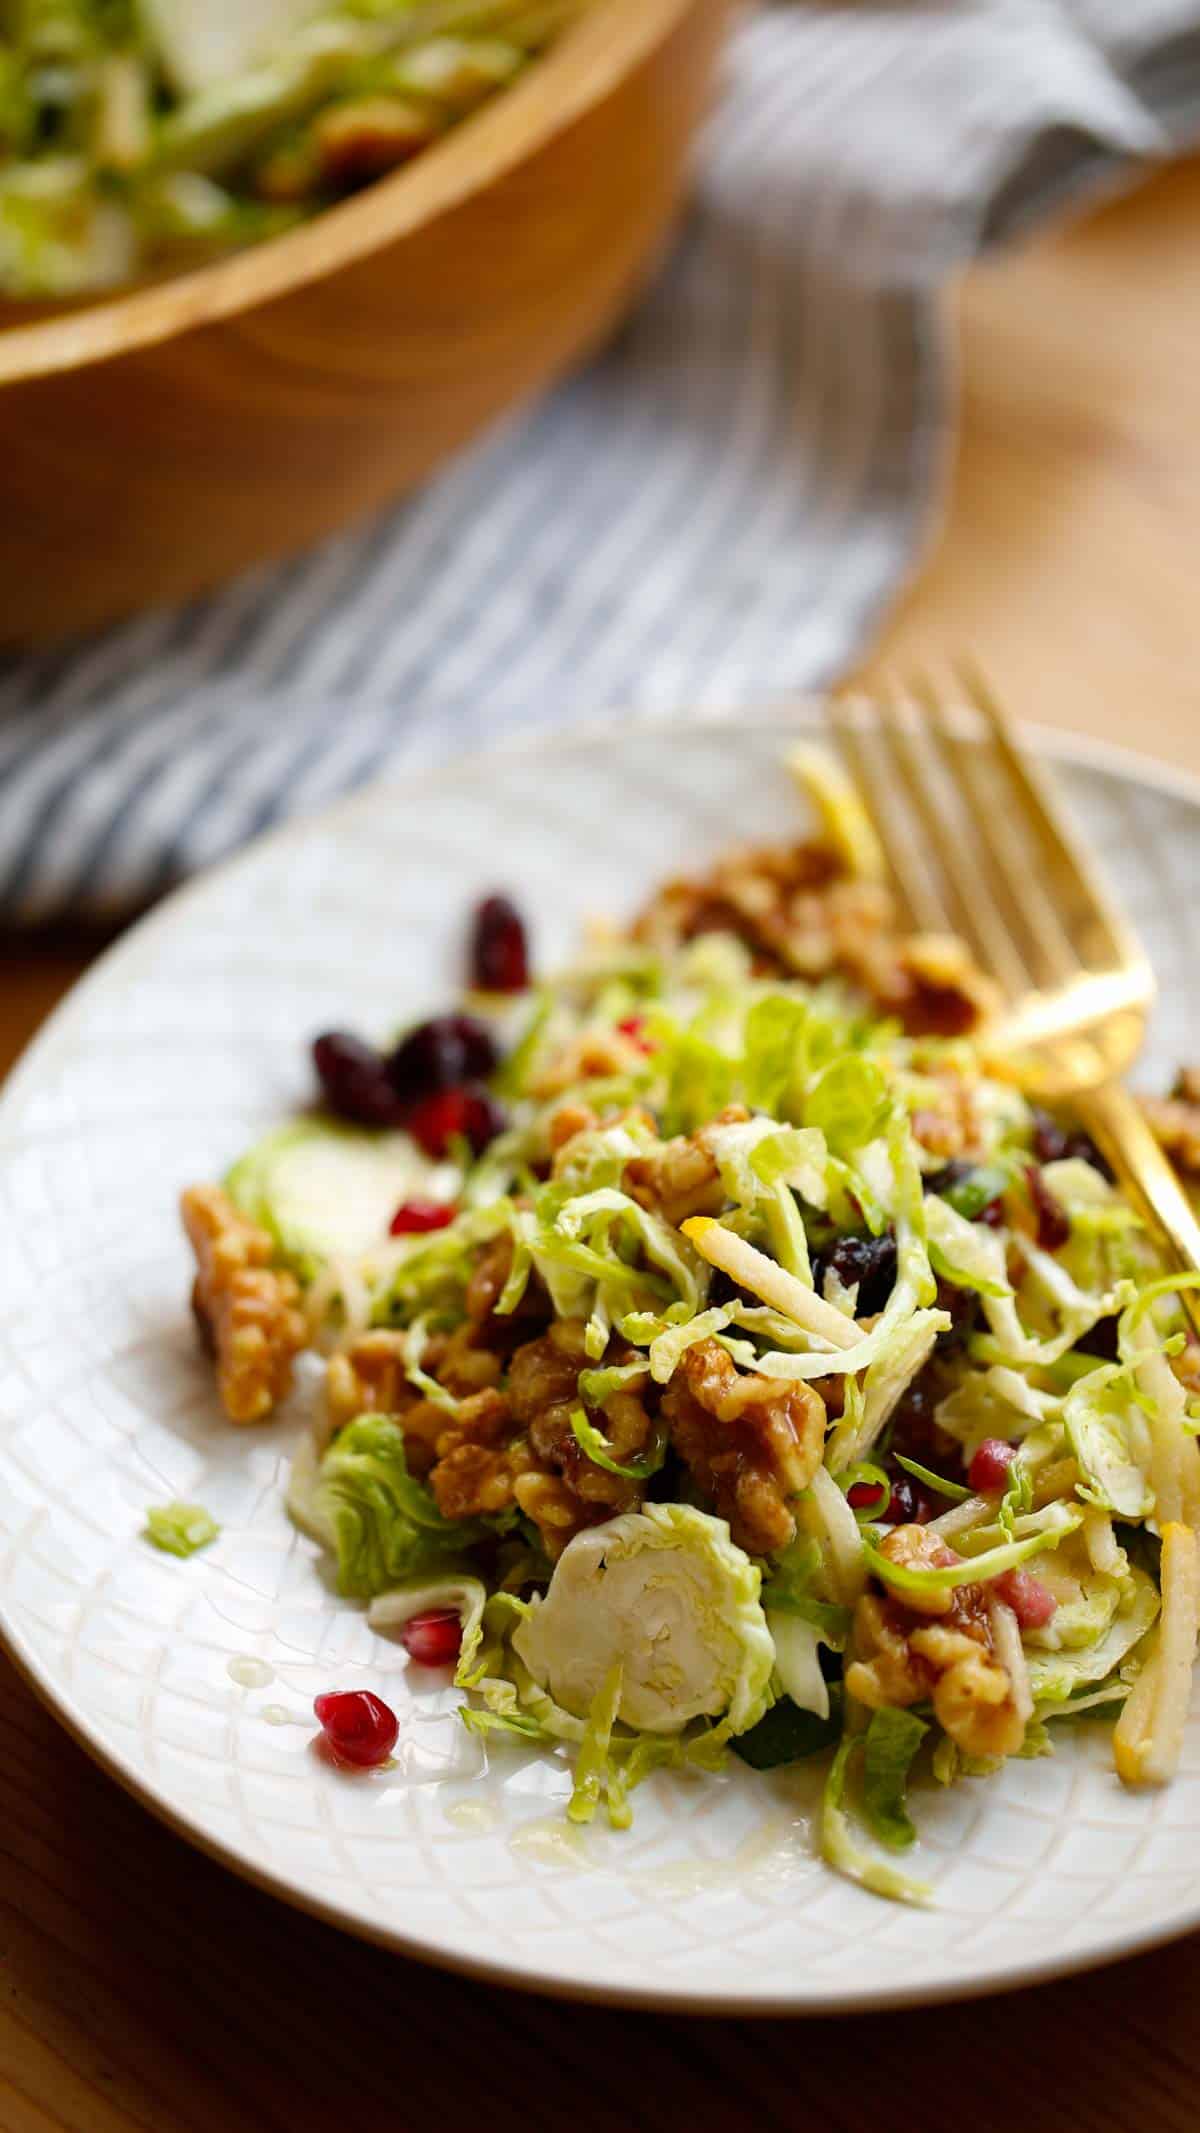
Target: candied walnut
(480, 1451)
(798, 911)
(1174, 1121)
(681, 1178)
(368, 1377)
(488, 1276)
(484, 1289)
(742, 893)
(543, 1386)
(842, 927)
(544, 1374)
(915, 1548)
(515, 1444)
(546, 1499)
(972, 1693)
(474, 1480)
(886, 1670)
(591, 1056)
(572, 1122)
(751, 1443)
(949, 1124)
(913, 1651)
(249, 1310)
(568, 1122)
(484, 1418)
(947, 994)
(457, 1362)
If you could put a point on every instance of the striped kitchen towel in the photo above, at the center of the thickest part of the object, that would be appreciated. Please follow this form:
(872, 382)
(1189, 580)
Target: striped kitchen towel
(718, 508)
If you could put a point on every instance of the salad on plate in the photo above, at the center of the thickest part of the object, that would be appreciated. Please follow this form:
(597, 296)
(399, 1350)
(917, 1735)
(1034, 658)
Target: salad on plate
(724, 1358)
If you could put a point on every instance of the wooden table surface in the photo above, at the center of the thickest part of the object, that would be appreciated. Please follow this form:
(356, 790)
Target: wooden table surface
(141, 1985)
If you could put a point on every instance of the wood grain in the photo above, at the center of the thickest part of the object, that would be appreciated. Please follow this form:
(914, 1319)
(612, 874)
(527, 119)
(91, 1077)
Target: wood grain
(143, 1987)
(1067, 559)
(155, 444)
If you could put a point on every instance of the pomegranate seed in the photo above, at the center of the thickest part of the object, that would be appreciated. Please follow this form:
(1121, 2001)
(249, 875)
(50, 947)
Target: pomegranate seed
(359, 1727)
(414, 1217)
(1053, 1224)
(1032, 1602)
(469, 1113)
(433, 1639)
(441, 1053)
(861, 1494)
(634, 1027)
(354, 1080)
(499, 951)
(989, 1466)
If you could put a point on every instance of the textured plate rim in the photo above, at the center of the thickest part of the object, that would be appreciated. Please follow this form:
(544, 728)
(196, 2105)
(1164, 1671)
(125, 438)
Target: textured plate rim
(1007, 1975)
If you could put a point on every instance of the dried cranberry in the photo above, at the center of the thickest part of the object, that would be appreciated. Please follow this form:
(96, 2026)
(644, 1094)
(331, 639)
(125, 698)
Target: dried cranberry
(439, 1054)
(866, 1495)
(1032, 1602)
(1053, 1222)
(723, 1289)
(964, 1308)
(908, 1504)
(1054, 1143)
(433, 1639)
(467, 1113)
(359, 1727)
(354, 1080)
(1100, 1340)
(499, 950)
(993, 1213)
(868, 1261)
(914, 1427)
(989, 1467)
(414, 1217)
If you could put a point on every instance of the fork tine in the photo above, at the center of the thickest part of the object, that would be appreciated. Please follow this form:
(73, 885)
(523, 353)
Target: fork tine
(1096, 916)
(977, 913)
(964, 859)
(1000, 822)
(907, 866)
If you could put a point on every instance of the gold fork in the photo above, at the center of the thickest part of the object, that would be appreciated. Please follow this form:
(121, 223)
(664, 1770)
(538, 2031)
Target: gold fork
(977, 846)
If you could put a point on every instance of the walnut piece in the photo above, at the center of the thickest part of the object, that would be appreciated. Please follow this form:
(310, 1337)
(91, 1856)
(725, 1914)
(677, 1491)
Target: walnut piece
(248, 1310)
(799, 912)
(593, 1055)
(972, 1693)
(543, 1386)
(681, 1178)
(751, 1443)
(367, 1378)
(937, 1648)
(503, 1445)
(479, 1453)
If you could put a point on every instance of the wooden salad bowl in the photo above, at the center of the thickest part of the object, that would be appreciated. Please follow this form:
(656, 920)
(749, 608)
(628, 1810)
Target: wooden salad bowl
(154, 443)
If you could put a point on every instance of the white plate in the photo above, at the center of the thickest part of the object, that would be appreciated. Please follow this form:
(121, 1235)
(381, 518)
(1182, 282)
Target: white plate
(187, 1041)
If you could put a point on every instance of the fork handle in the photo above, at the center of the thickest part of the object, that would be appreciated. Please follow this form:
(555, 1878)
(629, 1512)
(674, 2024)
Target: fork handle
(1115, 1123)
